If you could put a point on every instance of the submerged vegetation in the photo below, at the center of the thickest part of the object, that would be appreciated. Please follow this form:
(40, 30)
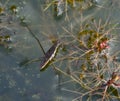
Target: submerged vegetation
(61, 7)
(9, 19)
(91, 64)
(86, 64)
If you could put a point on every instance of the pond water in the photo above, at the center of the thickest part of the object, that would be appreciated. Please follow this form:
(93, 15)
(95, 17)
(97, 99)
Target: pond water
(27, 83)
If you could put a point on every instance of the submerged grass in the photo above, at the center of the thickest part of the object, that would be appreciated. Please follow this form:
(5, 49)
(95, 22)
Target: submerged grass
(85, 61)
(62, 7)
(90, 63)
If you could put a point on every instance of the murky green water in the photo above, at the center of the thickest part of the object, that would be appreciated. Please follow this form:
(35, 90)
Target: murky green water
(27, 83)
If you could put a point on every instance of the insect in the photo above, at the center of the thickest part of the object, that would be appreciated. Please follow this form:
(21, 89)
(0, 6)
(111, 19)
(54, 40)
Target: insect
(49, 55)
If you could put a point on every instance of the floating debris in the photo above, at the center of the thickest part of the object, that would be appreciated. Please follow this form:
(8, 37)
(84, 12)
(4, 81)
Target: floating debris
(5, 36)
(14, 9)
(1, 10)
(58, 8)
(62, 6)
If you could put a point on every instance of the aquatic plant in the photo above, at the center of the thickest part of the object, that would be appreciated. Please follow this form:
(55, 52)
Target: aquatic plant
(89, 63)
(85, 63)
(9, 17)
(61, 7)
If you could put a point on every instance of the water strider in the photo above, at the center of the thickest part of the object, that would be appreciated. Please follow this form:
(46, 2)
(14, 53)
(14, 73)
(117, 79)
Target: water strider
(49, 55)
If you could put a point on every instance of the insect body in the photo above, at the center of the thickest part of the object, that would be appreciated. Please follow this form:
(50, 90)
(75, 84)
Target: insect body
(50, 54)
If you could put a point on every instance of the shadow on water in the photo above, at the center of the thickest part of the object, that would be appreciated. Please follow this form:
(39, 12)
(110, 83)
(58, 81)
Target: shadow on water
(27, 83)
